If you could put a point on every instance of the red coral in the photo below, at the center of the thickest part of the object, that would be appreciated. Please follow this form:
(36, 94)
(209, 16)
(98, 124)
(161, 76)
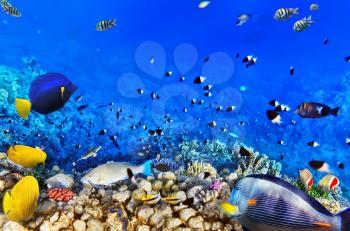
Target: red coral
(60, 194)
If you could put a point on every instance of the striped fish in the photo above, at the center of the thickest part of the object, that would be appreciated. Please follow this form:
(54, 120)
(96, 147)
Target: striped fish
(12, 11)
(106, 24)
(328, 183)
(306, 178)
(267, 203)
(285, 13)
(151, 199)
(301, 25)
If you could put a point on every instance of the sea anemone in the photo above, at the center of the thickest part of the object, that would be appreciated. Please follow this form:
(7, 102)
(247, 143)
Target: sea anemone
(60, 194)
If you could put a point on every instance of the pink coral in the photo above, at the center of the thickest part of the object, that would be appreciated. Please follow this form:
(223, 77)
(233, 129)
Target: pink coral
(60, 194)
(215, 185)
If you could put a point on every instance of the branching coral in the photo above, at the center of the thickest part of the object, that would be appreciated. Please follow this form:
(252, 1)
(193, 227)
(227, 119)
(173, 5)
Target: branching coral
(197, 167)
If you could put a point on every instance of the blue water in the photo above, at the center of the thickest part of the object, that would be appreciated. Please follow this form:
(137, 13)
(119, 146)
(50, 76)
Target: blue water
(109, 66)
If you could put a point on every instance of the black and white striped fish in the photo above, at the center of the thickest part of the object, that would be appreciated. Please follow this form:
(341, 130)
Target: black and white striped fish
(9, 9)
(267, 203)
(302, 24)
(106, 24)
(285, 13)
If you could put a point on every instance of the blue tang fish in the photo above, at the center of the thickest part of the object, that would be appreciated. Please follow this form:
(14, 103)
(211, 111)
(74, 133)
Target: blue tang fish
(267, 203)
(48, 93)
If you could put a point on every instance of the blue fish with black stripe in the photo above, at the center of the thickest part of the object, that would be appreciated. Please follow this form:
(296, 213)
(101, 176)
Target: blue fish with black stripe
(267, 203)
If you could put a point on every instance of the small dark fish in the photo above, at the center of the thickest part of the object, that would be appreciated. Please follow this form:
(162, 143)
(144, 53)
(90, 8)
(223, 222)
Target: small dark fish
(193, 101)
(140, 91)
(159, 132)
(281, 156)
(341, 165)
(208, 94)
(77, 146)
(319, 166)
(207, 87)
(274, 103)
(83, 107)
(106, 105)
(162, 167)
(237, 55)
(103, 132)
(293, 122)
(212, 124)
(154, 96)
(347, 141)
(313, 144)
(274, 117)
(347, 59)
(199, 80)
(250, 60)
(291, 71)
(79, 98)
(219, 108)
(133, 127)
(168, 74)
(201, 102)
(315, 110)
(325, 41)
(182, 78)
(152, 132)
(185, 110)
(206, 59)
(244, 152)
(230, 109)
(281, 142)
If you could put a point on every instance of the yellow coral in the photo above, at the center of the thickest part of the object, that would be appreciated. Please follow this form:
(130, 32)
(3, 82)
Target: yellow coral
(196, 167)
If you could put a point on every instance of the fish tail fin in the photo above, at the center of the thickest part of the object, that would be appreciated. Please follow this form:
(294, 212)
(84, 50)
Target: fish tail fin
(345, 219)
(309, 20)
(296, 11)
(131, 176)
(11, 154)
(114, 22)
(335, 111)
(147, 168)
(23, 107)
(7, 203)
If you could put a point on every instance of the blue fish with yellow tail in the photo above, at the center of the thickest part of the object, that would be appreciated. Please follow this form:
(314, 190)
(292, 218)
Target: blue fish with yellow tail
(48, 93)
(267, 203)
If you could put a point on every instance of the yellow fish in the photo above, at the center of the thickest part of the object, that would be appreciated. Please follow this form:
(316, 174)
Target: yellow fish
(22, 201)
(175, 198)
(26, 156)
(228, 208)
(150, 198)
(328, 183)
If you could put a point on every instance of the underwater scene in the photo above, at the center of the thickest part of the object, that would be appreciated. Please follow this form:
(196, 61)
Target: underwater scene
(174, 115)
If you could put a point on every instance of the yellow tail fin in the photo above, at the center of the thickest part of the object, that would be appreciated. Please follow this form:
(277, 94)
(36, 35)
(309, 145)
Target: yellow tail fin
(7, 203)
(23, 107)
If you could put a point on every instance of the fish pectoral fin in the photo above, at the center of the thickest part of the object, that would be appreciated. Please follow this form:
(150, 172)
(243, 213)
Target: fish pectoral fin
(62, 92)
(251, 202)
(23, 107)
(322, 224)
